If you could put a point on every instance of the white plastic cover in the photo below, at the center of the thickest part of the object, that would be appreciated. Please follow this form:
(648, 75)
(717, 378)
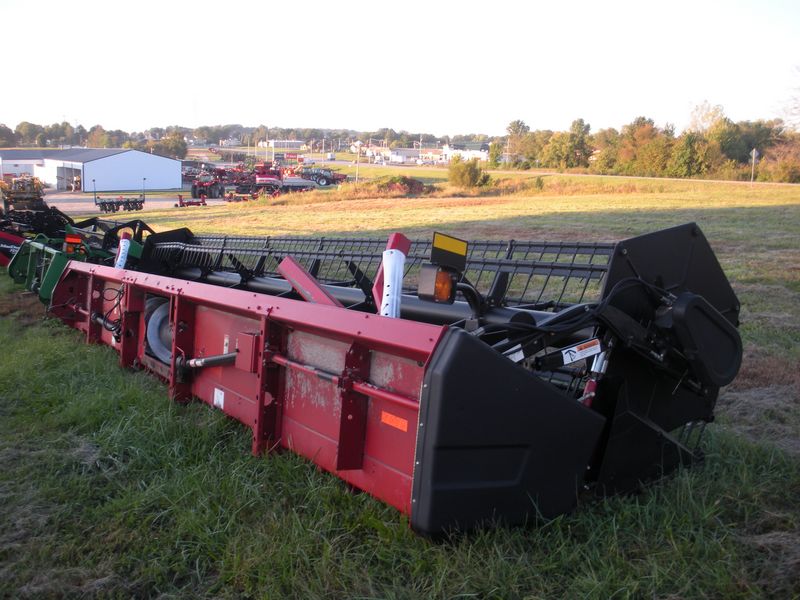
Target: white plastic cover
(122, 253)
(393, 265)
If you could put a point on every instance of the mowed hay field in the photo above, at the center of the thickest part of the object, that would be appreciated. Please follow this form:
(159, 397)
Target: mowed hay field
(109, 490)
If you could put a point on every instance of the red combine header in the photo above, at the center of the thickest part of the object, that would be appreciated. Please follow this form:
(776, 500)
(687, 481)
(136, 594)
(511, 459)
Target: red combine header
(462, 383)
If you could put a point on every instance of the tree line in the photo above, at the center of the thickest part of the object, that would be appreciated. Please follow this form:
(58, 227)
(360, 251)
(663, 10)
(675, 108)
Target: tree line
(169, 144)
(60, 134)
(712, 146)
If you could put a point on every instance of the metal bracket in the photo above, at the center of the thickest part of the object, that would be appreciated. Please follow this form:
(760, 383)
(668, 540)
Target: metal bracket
(353, 420)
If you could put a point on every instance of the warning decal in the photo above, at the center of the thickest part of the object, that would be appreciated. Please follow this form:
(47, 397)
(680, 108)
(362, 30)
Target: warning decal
(219, 398)
(580, 351)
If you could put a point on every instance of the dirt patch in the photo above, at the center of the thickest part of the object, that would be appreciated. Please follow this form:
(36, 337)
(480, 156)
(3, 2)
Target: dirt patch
(66, 582)
(24, 519)
(25, 528)
(769, 414)
(761, 370)
(780, 564)
(763, 402)
(87, 453)
(25, 306)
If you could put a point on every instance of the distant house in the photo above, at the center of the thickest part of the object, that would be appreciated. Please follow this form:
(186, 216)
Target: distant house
(433, 155)
(231, 142)
(373, 150)
(466, 150)
(403, 155)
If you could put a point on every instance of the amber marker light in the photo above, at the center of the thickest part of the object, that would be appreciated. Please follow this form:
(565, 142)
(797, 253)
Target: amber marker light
(437, 284)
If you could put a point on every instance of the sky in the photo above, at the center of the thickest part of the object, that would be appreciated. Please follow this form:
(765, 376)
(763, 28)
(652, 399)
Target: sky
(443, 67)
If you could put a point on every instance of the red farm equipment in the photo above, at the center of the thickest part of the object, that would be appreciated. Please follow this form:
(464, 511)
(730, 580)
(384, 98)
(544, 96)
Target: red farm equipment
(184, 202)
(208, 185)
(460, 383)
(274, 180)
(10, 241)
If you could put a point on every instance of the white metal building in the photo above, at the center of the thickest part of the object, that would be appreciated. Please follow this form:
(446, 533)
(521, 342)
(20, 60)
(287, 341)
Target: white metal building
(14, 163)
(403, 155)
(466, 150)
(101, 169)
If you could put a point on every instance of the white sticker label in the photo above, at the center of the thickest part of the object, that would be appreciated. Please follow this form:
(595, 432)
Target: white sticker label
(516, 354)
(219, 398)
(580, 351)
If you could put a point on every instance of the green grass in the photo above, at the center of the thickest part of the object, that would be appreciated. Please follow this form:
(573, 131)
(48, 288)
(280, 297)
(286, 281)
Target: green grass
(110, 490)
(428, 175)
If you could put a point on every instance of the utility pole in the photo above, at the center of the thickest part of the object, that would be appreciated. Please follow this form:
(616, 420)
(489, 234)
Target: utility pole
(358, 155)
(754, 153)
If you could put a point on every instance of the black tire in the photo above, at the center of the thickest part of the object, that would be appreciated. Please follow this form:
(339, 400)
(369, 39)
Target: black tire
(322, 181)
(152, 303)
(158, 334)
(194, 191)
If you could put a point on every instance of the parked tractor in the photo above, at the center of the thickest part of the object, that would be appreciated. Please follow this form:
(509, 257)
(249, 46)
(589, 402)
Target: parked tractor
(322, 177)
(25, 214)
(208, 185)
(23, 194)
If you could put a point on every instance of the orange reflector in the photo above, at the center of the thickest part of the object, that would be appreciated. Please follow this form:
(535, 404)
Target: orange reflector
(394, 421)
(72, 243)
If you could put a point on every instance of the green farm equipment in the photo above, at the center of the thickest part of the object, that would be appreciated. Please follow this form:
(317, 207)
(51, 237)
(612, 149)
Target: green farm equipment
(39, 262)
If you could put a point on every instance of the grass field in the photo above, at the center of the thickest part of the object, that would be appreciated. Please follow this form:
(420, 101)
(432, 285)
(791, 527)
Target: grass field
(108, 490)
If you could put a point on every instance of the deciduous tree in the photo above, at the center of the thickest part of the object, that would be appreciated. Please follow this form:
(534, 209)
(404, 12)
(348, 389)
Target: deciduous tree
(579, 150)
(556, 152)
(517, 130)
(466, 174)
(27, 132)
(97, 137)
(687, 156)
(8, 137)
(606, 142)
(495, 154)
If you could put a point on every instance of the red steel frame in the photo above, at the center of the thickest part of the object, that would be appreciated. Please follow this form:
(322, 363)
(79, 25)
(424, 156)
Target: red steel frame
(8, 241)
(337, 386)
